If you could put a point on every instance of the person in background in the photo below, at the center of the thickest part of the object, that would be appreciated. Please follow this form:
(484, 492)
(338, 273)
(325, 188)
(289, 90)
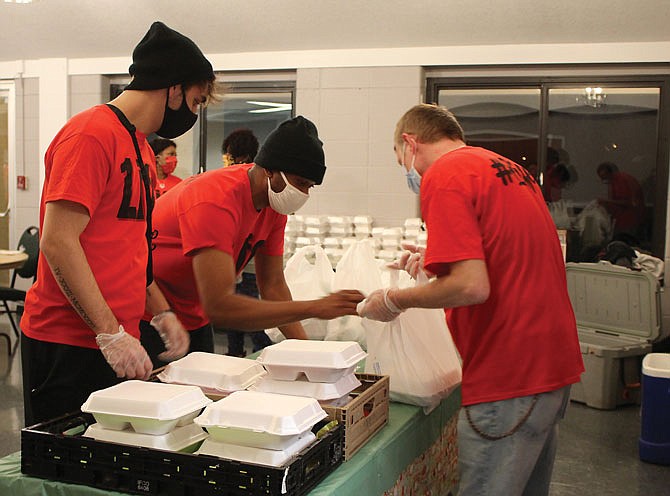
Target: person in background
(556, 177)
(493, 252)
(81, 320)
(166, 162)
(625, 199)
(240, 147)
(212, 224)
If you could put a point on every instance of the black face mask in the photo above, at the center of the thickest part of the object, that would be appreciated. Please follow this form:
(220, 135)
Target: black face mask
(176, 122)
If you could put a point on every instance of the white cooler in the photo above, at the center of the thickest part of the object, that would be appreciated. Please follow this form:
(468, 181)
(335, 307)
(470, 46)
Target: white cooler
(618, 315)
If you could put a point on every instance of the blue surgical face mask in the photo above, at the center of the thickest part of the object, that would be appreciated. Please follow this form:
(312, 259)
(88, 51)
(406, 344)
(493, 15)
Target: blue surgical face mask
(413, 177)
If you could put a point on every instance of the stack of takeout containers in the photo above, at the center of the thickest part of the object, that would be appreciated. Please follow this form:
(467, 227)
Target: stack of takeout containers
(217, 375)
(323, 370)
(148, 414)
(262, 428)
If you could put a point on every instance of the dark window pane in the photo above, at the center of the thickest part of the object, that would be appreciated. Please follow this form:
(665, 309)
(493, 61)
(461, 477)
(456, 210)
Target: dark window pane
(503, 120)
(601, 164)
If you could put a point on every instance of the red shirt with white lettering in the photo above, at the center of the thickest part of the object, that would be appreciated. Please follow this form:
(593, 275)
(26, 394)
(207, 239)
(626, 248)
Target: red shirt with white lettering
(92, 162)
(523, 339)
(209, 210)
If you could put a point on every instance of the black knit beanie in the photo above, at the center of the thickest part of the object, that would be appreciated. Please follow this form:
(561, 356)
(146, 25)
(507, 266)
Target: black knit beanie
(165, 58)
(294, 146)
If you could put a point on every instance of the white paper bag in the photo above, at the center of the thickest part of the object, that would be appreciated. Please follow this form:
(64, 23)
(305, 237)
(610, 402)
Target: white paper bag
(417, 351)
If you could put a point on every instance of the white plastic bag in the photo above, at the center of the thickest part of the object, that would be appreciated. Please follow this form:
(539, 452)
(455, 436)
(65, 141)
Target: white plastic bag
(417, 351)
(595, 224)
(307, 281)
(559, 211)
(357, 269)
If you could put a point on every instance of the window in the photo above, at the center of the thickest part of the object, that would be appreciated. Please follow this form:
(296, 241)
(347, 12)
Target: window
(259, 106)
(593, 142)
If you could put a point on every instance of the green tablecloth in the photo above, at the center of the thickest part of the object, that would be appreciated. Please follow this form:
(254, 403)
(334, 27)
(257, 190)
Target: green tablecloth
(372, 471)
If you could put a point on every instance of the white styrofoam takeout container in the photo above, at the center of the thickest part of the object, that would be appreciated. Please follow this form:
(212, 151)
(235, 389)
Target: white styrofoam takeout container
(149, 407)
(321, 391)
(320, 361)
(259, 456)
(179, 439)
(213, 371)
(262, 420)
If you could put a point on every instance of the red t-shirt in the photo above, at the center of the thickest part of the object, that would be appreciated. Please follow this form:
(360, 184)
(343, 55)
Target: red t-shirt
(624, 188)
(165, 185)
(92, 161)
(209, 210)
(523, 339)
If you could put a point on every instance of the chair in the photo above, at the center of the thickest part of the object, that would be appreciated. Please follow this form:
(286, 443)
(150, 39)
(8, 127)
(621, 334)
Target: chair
(29, 243)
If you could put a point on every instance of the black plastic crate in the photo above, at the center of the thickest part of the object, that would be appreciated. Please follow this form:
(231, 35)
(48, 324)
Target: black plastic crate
(57, 450)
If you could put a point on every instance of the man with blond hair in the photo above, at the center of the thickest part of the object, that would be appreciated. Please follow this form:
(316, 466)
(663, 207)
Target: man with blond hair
(498, 271)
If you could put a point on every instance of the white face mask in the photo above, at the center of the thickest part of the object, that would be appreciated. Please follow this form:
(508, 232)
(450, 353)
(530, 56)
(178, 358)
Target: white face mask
(288, 200)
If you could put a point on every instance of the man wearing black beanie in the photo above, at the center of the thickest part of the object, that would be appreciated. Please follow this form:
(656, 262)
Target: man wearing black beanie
(209, 226)
(81, 320)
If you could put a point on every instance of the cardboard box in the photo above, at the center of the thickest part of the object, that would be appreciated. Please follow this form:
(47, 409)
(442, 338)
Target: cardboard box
(365, 415)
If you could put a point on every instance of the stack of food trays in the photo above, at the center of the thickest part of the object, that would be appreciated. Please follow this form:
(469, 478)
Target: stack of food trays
(323, 370)
(216, 375)
(148, 414)
(261, 428)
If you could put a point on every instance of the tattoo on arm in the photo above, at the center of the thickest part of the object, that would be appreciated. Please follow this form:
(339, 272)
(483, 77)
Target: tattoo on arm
(73, 299)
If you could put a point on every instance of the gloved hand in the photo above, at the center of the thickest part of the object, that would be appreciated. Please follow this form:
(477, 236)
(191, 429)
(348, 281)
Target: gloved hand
(411, 260)
(173, 334)
(379, 306)
(125, 355)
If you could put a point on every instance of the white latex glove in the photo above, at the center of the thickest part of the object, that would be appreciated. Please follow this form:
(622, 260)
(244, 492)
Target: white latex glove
(379, 306)
(125, 355)
(411, 260)
(173, 334)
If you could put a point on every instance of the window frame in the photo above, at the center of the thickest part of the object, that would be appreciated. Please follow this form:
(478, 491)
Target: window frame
(584, 76)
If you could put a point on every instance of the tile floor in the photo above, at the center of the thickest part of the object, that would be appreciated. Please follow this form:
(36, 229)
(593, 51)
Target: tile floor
(597, 452)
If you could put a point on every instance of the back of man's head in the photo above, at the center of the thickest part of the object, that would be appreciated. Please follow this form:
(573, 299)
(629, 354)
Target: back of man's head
(430, 123)
(241, 145)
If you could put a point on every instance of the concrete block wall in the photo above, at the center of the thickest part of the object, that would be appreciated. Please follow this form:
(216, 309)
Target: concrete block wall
(87, 91)
(355, 110)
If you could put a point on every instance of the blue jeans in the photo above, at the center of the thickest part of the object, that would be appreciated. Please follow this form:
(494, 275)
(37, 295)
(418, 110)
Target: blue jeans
(514, 449)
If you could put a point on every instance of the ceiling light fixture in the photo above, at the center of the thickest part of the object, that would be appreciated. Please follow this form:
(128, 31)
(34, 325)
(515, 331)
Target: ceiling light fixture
(272, 107)
(19, 1)
(594, 97)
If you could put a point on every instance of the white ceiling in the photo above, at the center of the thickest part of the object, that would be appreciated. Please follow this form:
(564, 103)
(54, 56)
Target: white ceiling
(106, 28)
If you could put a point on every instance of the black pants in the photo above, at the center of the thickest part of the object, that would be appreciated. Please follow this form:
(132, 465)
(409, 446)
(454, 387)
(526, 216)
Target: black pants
(202, 339)
(58, 378)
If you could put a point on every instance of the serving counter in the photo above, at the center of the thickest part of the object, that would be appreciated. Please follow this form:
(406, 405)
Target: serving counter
(414, 454)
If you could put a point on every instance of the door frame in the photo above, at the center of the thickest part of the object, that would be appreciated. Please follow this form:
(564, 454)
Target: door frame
(10, 88)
